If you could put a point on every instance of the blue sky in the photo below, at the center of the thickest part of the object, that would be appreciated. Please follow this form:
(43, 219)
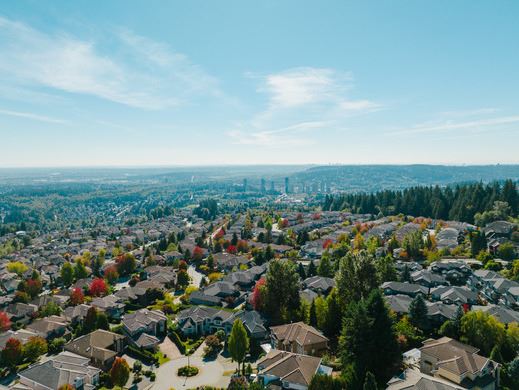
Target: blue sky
(87, 83)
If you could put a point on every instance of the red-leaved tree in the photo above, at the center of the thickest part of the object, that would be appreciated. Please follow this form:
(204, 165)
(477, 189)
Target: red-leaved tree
(5, 322)
(111, 274)
(120, 372)
(231, 249)
(198, 253)
(77, 297)
(98, 287)
(258, 294)
(12, 353)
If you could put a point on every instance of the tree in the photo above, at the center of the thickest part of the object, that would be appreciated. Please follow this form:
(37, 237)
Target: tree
(282, 296)
(67, 273)
(482, 331)
(418, 312)
(50, 309)
(326, 382)
(66, 386)
(102, 321)
(126, 264)
(210, 262)
(355, 342)
(98, 287)
(238, 342)
(111, 274)
(258, 295)
(33, 287)
(385, 354)
(332, 315)
(12, 353)
(301, 271)
(370, 383)
(356, 277)
(120, 372)
(34, 348)
(312, 318)
(80, 271)
(506, 251)
(452, 328)
(76, 296)
(386, 271)
(325, 267)
(182, 279)
(98, 262)
(478, 242)
(17, 267)
(512, 374)
(312, 271)
(90, 322)
(5, 322)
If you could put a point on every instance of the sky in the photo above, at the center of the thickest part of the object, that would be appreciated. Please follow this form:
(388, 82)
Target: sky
(131, 83)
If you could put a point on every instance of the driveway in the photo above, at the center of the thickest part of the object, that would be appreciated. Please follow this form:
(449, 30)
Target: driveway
(210, 373)
(170, 349)
(196, 277)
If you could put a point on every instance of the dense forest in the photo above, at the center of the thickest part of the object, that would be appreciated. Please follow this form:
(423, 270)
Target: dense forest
(465, 202)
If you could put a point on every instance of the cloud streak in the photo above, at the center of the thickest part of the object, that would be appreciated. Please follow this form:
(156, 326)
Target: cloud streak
(481, 124)
(142, 74)
(28, 115)
(301, 102)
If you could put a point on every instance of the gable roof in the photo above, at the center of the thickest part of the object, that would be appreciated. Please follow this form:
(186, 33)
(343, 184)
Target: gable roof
(298, 332)
(288, 366)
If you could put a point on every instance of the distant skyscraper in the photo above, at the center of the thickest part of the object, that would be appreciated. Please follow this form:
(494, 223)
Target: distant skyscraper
(263, 186)
(272, 188)
(286, 185)
(244, 185)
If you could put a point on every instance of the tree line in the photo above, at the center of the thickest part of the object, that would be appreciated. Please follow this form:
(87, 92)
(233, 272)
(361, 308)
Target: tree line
(462, 202)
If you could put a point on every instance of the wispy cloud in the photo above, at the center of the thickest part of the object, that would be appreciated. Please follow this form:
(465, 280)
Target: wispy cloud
(143, 73)
(480, 124)
(301, 102)
(28, 115)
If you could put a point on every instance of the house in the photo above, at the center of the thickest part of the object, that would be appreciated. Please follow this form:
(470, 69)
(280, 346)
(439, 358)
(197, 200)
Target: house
(499, 229)
(22, 335)
(392, 288)
(298, 338)
(502, 314)
(65, 368)
(201, 320)
(220, 293)
(100, 346)
(415, 380)
(49, 327)
(428, 279)
(319, 284)
(110, 304)
(21, 312)
(143, 327)
(76, 314)
(458, 363)
(289, 370)
(437, 312)
(454, 295)
(253, 322)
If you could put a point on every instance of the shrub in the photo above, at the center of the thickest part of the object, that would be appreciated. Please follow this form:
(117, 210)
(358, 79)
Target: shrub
(187, 371)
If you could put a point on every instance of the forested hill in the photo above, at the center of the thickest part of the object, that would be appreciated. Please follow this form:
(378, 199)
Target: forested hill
(460, 202)
(369, 178)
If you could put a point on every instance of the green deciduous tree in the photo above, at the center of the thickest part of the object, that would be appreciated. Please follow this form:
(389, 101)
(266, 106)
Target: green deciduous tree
(120, 372)
(238, 342)
(356, 278)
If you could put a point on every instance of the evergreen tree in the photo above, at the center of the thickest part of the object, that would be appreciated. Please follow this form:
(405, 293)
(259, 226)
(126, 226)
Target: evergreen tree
(301, 271)
(418, 312)
(356, 277)
(312, 271)
(386, 353)
(370, 383)
(282, 291)
(313, 315)
(325, 267)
